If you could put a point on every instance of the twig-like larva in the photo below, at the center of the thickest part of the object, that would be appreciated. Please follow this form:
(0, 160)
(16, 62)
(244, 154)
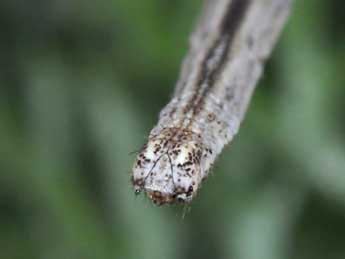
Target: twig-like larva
(232, 40)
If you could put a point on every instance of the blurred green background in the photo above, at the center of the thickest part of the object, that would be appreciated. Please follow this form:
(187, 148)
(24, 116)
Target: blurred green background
(81, 85)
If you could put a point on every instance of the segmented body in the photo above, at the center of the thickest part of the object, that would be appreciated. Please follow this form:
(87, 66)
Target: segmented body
(228, 48)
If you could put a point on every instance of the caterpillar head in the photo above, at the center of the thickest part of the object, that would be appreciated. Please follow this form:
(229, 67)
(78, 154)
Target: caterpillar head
(169, 168)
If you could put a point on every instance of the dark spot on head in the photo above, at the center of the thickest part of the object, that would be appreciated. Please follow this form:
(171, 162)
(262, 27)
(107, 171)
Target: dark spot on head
(211, 117)
(190, 190)
(138, 182)
(179, 199)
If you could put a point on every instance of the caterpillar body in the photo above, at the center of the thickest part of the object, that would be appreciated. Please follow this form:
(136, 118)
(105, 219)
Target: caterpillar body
(228, 49)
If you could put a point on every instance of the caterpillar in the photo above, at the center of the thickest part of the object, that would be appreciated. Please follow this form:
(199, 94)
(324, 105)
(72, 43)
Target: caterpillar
(228, 49)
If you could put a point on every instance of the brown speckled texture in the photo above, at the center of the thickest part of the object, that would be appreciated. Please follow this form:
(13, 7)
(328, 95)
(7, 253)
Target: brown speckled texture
(169, 167)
